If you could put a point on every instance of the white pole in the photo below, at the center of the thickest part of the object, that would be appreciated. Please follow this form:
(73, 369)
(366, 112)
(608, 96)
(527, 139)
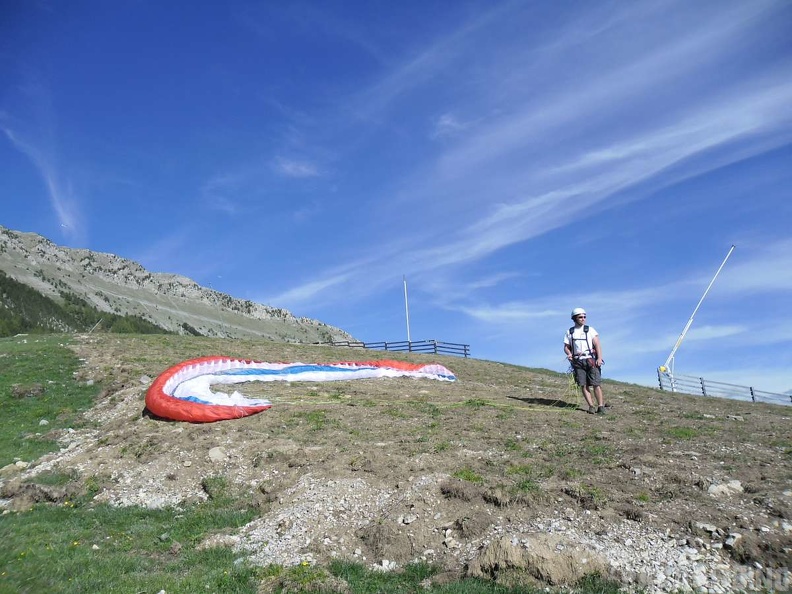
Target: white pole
(669, 362)
(406, 308)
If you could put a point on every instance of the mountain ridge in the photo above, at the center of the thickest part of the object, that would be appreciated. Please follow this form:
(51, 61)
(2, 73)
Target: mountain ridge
(115, 285)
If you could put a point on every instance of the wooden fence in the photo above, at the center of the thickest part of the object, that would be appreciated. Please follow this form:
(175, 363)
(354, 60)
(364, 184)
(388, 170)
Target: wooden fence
(688, 384)
(435, 347)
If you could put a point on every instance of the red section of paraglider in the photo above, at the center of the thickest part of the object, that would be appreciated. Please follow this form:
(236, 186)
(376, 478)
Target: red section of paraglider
(169, 407)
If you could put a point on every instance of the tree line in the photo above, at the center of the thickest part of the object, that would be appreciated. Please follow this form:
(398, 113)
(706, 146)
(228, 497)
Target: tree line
(23, 310)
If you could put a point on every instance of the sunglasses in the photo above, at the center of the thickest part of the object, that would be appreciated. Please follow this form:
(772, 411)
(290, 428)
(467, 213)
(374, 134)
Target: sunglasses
(580, 316)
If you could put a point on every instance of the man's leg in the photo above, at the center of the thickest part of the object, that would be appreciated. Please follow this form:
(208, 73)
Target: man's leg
(587, 395)
(598, 394)
(581, 379)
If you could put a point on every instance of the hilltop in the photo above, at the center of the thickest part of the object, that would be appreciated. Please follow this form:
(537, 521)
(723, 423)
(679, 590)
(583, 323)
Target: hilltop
(110, 286)
(500, 474)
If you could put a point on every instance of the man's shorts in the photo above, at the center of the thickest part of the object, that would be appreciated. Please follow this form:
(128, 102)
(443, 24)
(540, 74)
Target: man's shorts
(586, 375)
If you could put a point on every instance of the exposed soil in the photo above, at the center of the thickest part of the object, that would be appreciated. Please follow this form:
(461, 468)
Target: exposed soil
(437, 470)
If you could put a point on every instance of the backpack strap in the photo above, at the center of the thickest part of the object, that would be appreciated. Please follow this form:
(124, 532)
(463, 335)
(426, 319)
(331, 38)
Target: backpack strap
(572, 339)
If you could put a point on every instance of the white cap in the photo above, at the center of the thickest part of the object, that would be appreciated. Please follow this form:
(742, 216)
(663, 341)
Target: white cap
(578, 311)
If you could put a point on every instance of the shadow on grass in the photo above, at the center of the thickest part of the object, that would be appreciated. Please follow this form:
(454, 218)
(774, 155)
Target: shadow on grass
(554, 402)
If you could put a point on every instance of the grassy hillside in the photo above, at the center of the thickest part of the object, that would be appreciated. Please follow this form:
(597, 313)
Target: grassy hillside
(429, 475)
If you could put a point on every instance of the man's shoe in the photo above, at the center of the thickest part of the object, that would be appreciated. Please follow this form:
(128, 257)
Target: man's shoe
(600, 410)
(591, 410)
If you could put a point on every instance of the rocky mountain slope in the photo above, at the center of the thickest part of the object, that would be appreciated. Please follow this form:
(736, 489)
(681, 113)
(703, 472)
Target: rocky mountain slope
(175, 303)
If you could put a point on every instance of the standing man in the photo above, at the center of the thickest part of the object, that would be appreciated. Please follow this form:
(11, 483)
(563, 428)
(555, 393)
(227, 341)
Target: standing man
(584, 352)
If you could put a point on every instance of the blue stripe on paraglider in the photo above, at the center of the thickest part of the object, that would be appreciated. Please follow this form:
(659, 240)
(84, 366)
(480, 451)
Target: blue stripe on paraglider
(294, 369)
(195, 399)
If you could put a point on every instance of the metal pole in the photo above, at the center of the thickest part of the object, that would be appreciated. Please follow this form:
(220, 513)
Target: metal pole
(407, 310)
(669, 361)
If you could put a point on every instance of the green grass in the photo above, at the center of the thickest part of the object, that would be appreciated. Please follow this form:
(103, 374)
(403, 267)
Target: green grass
(475, 403)
(106, 549)
(686, 433)
(527, 486)
(441, 446)
(37, 383)
(467, 474)
(523, 469)
(408, 581)
(316, 419)
(512, 445)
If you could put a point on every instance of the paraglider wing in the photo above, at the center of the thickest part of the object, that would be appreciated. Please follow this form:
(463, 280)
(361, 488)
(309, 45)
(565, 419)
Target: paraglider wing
(183, 392)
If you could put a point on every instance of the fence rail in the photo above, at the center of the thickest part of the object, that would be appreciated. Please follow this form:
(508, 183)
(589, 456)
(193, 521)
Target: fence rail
(413, 346)
(688, 384)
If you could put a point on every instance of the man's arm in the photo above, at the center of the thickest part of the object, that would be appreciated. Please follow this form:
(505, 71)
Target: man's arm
(598, 349)
(567, 348)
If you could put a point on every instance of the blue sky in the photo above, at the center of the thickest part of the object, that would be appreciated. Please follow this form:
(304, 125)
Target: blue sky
(512, 159)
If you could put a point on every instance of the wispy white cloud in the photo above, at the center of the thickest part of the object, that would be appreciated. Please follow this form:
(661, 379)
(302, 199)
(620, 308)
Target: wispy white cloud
(61, 195)
(447, 125)
(768, 269)
(663, 342)
(295, 168)
(638, 334)
(294, 298)
(220, 191)
(609, 169)
(514, 199)
(227, 190)
(422, 65)
(607, 90)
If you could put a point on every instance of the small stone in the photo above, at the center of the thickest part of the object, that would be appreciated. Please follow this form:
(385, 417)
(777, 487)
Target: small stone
(733, 540)
(43, 422)
(699, 579)
(217, 454)
(702, 527)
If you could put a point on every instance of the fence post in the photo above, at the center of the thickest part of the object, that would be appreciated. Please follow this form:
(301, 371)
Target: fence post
(753, 396)
(703, 387)
(659, 379)
(409, 346)
(434, 342)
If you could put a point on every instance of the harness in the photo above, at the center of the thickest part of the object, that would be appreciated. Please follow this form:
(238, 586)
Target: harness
(572, 340)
